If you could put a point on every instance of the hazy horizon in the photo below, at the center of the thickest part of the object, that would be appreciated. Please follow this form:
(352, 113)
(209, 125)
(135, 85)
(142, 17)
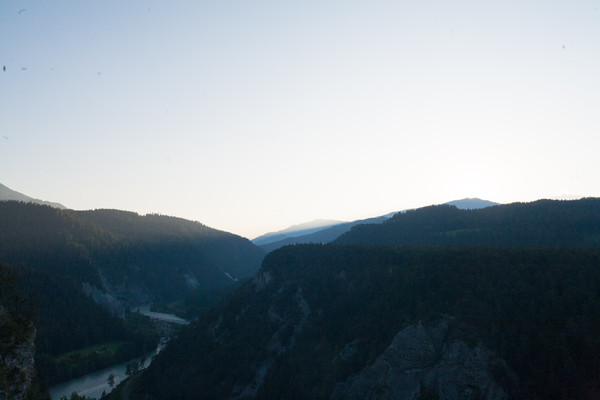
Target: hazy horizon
(253, 117)
(307, 224)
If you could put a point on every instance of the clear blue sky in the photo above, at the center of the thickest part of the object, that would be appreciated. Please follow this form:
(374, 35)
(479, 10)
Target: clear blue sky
(251, 116)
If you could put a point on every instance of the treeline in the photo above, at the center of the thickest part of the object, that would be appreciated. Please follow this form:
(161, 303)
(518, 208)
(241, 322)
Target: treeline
(544, 223)
(538, 308)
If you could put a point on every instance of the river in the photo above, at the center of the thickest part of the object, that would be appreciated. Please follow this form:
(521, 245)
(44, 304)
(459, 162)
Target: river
(145, 310)
(92, 385)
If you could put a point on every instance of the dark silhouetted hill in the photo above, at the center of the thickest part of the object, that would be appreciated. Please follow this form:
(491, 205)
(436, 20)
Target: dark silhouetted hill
(543, 223)
(88, 268)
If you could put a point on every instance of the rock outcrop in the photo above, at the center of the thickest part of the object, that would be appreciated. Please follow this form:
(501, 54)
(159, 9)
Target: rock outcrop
(441, 361)
(17, 367)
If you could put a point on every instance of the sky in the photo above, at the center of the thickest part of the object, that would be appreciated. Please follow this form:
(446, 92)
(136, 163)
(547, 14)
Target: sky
(251, 116)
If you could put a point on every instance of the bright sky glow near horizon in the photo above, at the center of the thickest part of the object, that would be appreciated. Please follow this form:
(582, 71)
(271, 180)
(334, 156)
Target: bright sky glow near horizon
(253, 116)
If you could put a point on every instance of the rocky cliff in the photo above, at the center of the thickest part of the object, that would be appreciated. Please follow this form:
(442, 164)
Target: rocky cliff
(17, 351)
(333, 322)
(440, 360)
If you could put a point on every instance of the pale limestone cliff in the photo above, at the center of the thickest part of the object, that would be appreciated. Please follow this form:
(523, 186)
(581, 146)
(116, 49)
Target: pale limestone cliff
(439, 360)
(17, 367)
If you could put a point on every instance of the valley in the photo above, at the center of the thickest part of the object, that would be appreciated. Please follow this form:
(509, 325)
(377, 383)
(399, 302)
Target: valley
(491, 302)
(84, 271)
(97, 383)
(299, 200)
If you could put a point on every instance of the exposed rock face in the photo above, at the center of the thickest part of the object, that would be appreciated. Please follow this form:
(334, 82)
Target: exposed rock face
(432, 360)
(262, 280)
(279, 343)
(17, 367)
(117, 299)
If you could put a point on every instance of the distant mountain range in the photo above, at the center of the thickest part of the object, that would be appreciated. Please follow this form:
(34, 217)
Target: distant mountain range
(295, 231)
(9, 194)
(472, 203)
(325, 232)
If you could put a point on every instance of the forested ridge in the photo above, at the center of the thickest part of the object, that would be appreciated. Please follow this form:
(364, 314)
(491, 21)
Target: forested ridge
(182, 247)
(85, 269)
(127, 249)
(543, 223)
(538, 308)
(524, 279)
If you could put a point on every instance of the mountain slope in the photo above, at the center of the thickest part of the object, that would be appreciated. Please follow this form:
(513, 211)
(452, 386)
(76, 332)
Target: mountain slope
(518, 285)
(134, 258)
(7, 194)
(540, 223)
(332, 322)
(200, 248)
(119, 259)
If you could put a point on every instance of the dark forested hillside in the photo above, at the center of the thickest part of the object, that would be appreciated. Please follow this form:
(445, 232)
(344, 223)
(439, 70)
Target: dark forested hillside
(67, 318)
(317, 320)
(130, 257)
(193, 256)
(85, 269)
(51, 240)
(506, 298)
(544, 223)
